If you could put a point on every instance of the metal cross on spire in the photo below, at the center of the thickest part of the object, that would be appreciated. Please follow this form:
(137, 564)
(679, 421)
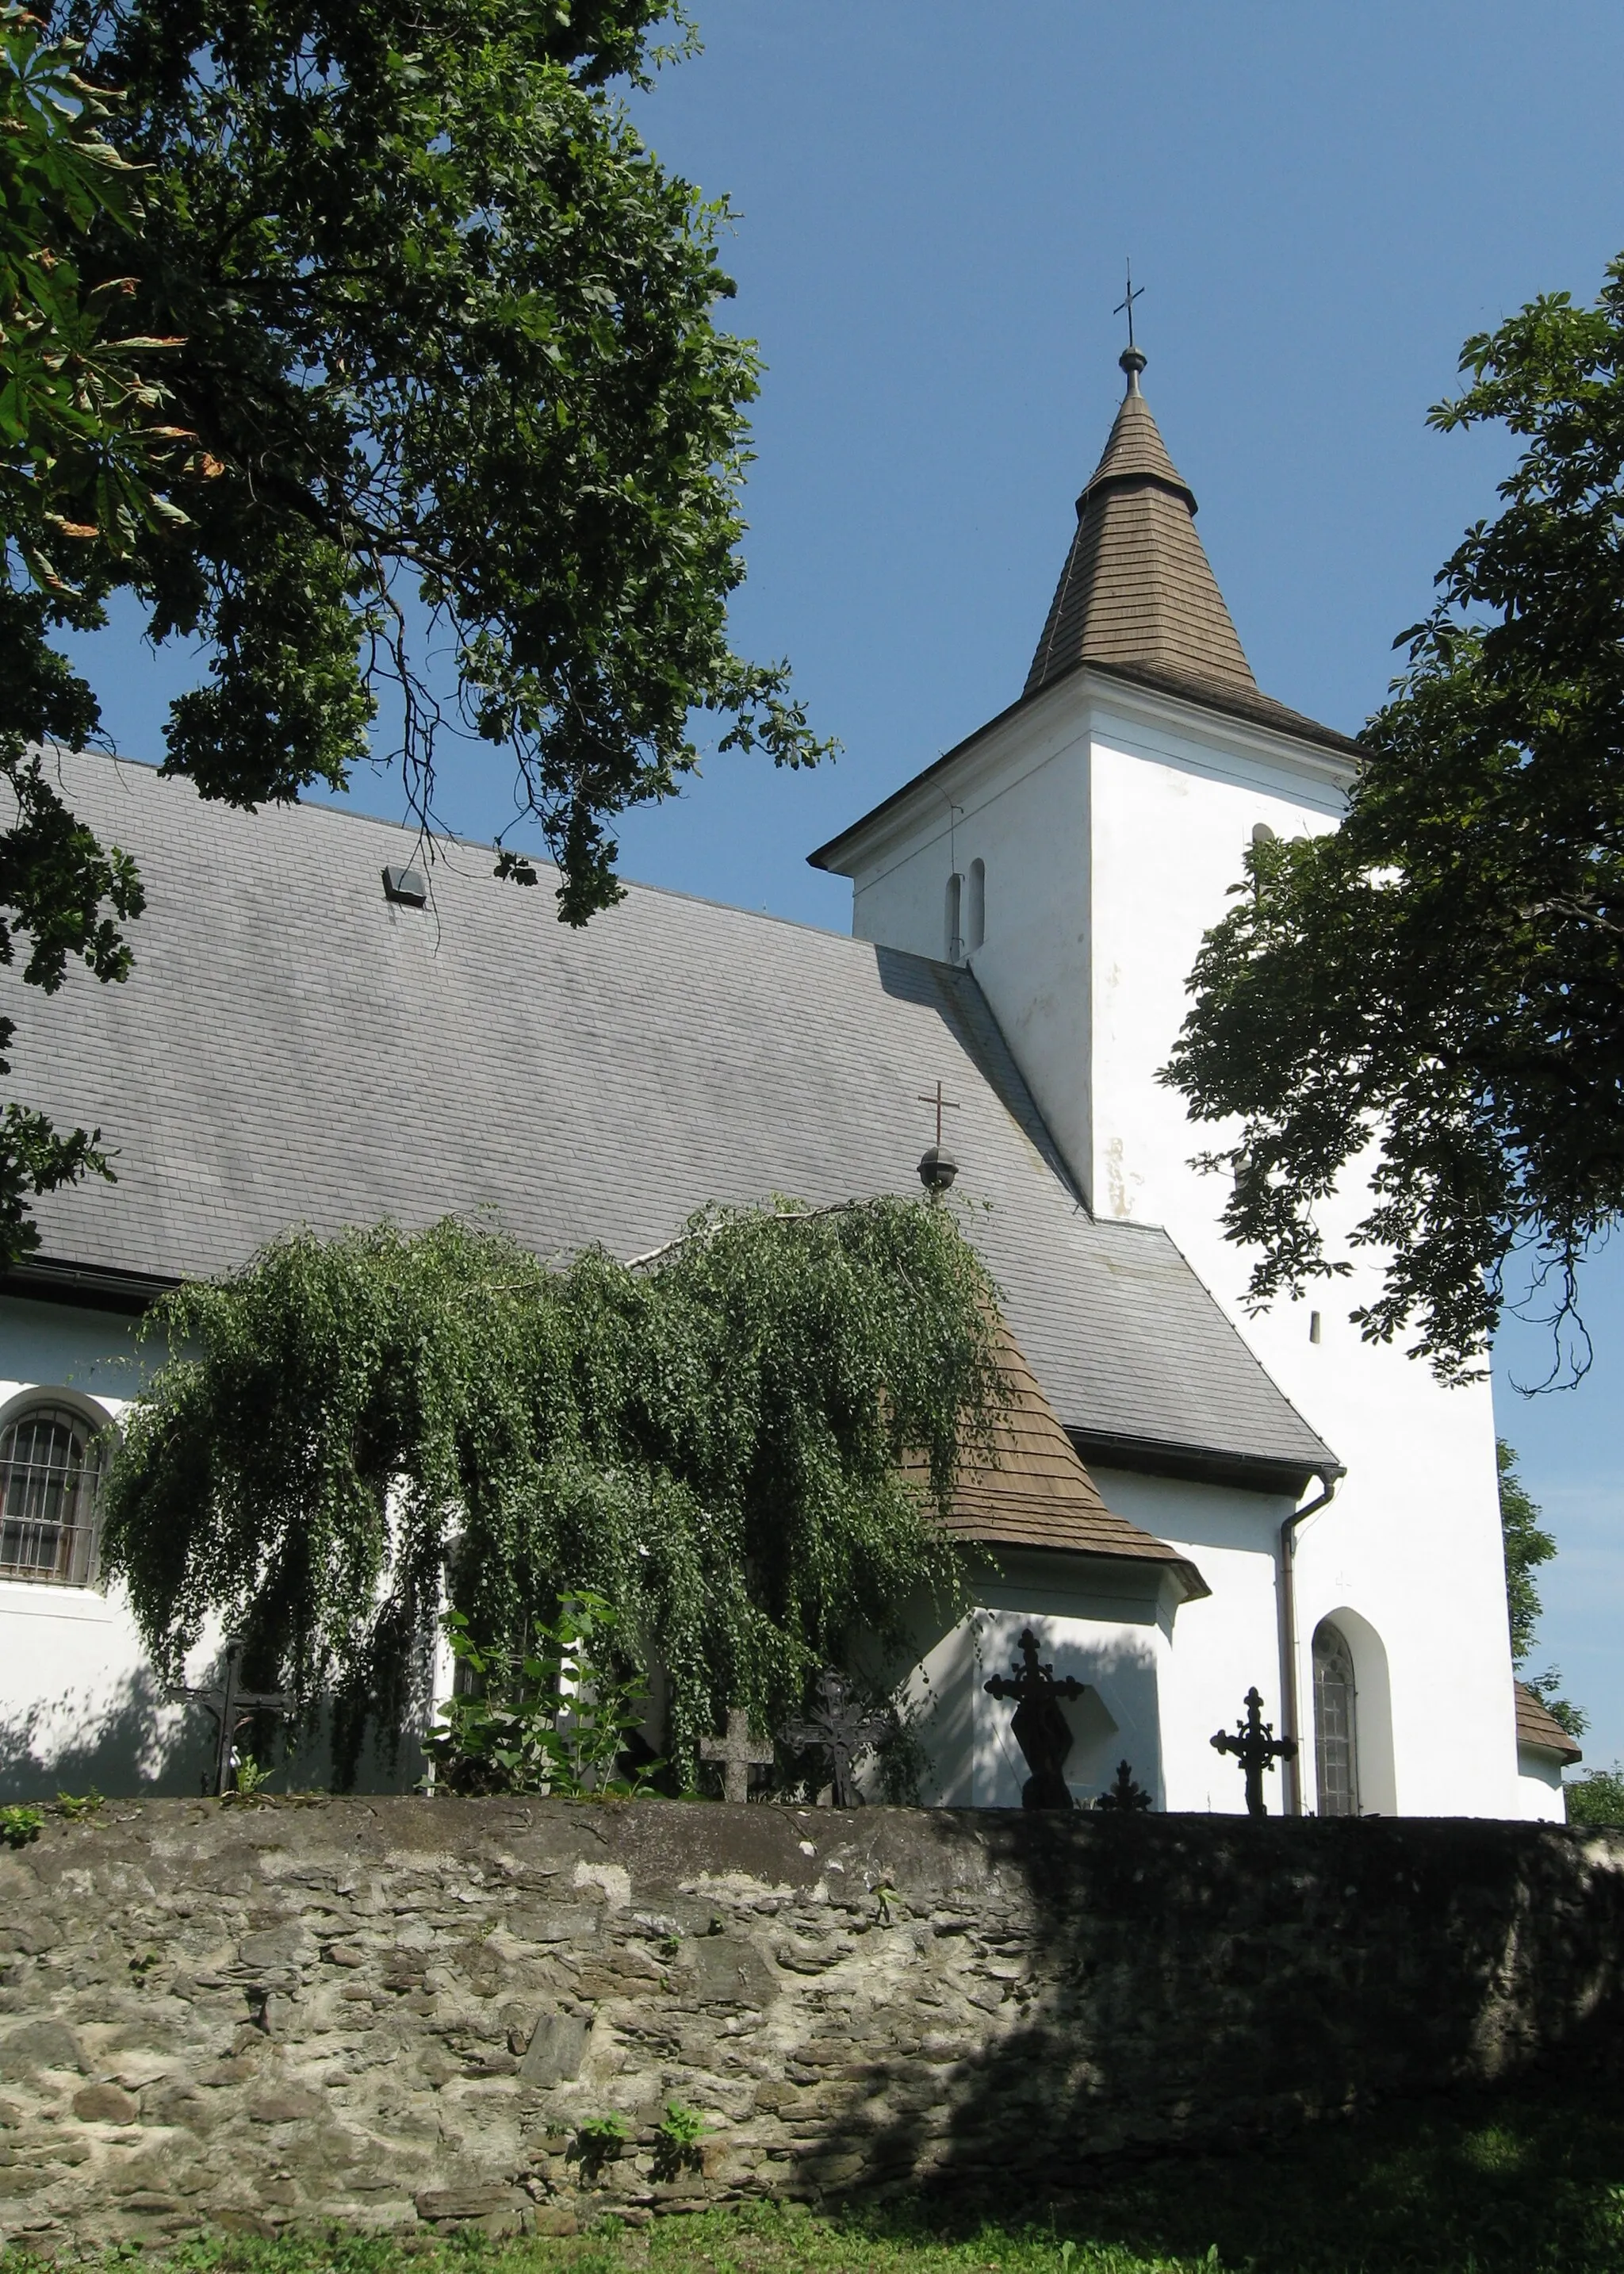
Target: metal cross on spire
(943, 1105)
(1126, 306)
(938, 1167)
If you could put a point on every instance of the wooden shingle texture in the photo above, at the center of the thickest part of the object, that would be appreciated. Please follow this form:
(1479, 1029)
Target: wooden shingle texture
(1540, 1729)
(1031, 1490)
(1137, 587)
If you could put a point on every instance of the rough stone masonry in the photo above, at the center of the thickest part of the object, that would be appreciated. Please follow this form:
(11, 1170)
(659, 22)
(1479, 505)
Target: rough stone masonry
(408, 2012)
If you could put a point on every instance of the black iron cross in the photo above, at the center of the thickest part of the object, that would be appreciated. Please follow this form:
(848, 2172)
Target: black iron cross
(232, 1708)
(943, 1105)
(1256, 1748)
(1041, 1729)
(1127, 305)
(1124, 1793)
(839, 1729)
(739, 1753)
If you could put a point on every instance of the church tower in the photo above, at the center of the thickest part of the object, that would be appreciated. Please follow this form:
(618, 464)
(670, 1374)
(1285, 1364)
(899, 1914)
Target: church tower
(1071, 853)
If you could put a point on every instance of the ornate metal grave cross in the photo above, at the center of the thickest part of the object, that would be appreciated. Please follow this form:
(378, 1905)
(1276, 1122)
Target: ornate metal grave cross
(739, 1753)
(1042, 1731)
(1256, 1748)
(1124, 1793)
(839, 1729)
(232, 1708)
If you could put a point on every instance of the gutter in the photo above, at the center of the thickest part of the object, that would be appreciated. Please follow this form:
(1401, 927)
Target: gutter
(88, 1286)
(1289, 1726)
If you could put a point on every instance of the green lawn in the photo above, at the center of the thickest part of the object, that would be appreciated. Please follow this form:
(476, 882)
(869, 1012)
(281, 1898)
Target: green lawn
(1530, 2181)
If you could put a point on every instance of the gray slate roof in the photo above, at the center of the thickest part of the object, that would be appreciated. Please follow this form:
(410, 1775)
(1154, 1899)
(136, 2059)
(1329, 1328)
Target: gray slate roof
(292, 1047)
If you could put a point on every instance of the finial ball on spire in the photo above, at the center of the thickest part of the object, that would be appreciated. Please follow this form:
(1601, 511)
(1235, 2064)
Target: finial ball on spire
(1133, 360)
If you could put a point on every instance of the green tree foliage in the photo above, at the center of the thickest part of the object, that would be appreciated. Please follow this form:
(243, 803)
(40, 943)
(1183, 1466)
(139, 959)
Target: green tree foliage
(85, 454)
(1528, 1545)
(1596, 1798)
(1443, 977)
(558, 1716)
(710, 1442)
(336, 332)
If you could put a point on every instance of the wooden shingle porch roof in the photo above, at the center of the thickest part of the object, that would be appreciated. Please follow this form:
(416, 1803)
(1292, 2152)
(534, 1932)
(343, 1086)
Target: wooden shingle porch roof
(1035, 1493)
(1539, 1730)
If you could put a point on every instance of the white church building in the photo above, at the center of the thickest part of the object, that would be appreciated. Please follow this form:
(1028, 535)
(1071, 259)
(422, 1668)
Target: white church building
(1190, 1502)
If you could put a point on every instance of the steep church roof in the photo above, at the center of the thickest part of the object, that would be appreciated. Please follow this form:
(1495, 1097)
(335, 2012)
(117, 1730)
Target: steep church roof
(293, 1047)
(1137, 587)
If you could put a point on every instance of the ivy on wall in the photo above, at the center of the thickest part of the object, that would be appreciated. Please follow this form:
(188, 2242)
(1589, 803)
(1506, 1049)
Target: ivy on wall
(350, 1426)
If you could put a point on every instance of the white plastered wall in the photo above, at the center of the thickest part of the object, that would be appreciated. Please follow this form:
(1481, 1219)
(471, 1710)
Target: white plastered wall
(1113, 824)
(1410, 1547)
(77, 1701)
(1108, 1626)
(1539, 1788)
(1222, 1643)
(1017, 803)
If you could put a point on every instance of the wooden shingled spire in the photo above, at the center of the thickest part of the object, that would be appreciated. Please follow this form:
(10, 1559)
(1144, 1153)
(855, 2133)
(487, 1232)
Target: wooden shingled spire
(1137, 590)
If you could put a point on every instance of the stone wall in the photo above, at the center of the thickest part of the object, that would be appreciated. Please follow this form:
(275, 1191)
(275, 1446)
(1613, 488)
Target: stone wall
(401, 2012)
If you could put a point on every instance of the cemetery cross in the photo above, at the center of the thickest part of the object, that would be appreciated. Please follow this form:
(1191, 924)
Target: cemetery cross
(839, 1729)
(739, 1753)
(1256, 1748)
(232, 1709)
(1042, 1731)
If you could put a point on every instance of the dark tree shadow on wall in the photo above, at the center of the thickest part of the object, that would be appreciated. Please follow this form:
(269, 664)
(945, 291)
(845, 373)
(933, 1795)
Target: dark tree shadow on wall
(132, 1743)
(126, 1743)
(1211, 1994)
(1497, 2180)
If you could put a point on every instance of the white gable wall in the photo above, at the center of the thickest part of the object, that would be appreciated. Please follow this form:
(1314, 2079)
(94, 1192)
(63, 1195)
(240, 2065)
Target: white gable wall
(1112, 823)
(1017, 803)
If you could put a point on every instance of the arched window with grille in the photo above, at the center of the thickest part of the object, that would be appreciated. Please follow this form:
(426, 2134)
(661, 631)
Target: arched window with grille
(50, 1464)
(1336, 1737)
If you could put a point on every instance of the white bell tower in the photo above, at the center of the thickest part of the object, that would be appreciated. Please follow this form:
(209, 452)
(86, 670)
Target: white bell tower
(1072, 852)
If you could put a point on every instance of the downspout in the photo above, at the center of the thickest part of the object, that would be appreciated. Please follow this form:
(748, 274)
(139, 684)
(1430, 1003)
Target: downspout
(1291, 1770)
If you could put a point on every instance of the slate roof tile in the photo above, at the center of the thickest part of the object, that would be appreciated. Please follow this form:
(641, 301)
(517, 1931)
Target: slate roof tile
(292, 1047)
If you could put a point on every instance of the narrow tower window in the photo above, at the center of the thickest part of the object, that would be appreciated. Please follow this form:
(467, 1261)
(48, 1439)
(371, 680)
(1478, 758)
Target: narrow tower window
(977, 927)
(955, 910)
(1336, 1748)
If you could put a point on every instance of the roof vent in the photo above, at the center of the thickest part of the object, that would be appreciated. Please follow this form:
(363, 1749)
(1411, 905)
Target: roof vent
(405, 885)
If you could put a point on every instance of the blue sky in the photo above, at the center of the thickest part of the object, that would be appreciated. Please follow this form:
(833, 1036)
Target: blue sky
(935, 201)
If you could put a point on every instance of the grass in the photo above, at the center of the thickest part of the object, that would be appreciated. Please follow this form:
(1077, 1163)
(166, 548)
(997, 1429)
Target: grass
(1528, 2181)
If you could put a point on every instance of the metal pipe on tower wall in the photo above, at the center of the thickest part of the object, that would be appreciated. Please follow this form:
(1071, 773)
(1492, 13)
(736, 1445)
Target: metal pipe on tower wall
(1291, 1769)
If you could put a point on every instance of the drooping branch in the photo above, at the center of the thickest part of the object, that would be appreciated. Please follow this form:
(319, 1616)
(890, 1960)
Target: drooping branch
(712, 1440)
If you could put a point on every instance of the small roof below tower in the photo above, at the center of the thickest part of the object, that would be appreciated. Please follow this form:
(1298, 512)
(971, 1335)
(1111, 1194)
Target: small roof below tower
(1137, 590)
(1031, 1489)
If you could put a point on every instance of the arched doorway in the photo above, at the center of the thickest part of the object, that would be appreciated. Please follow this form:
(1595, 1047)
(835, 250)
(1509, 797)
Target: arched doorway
(1336, 1723)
